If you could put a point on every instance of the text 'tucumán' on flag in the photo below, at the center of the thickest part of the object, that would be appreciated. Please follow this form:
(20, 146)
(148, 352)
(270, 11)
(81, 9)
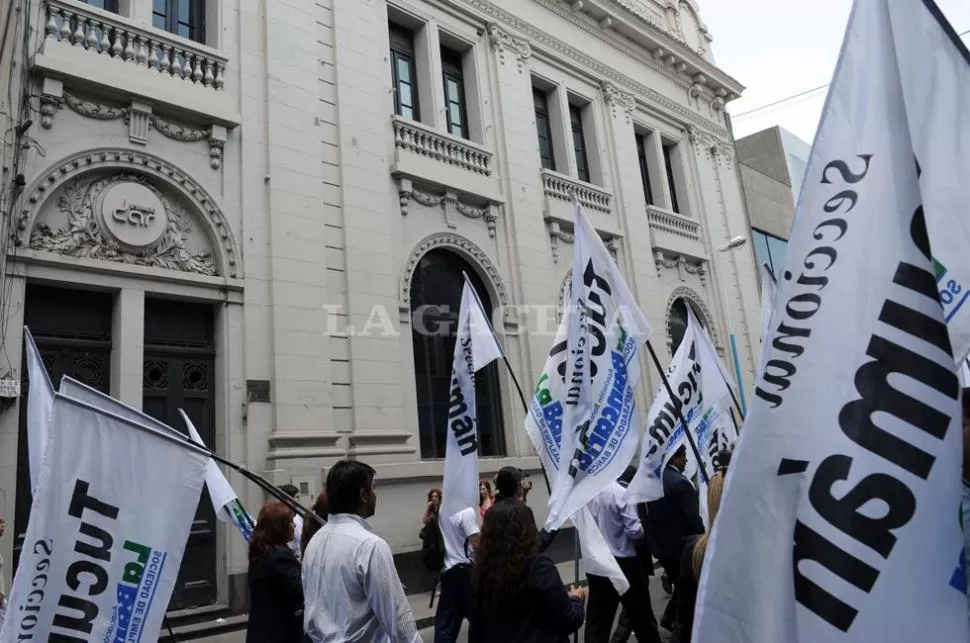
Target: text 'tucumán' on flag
(840, 518)
(475, 348)
(108, 526)
(605, 331)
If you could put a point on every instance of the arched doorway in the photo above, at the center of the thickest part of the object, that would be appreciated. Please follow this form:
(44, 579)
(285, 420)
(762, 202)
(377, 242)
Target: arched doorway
(435, 301)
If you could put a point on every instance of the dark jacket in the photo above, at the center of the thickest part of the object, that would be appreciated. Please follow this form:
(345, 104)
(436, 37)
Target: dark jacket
(546, 614)
(674, 517)
(275, 599)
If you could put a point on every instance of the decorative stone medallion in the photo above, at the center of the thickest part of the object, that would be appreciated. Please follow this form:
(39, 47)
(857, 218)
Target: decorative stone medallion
(133, 215)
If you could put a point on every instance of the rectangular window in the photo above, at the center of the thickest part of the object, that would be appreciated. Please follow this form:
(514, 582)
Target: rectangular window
(107, 5)
(185, 18)
(669, 166)
(644, 168)
(454, 84)
(403, 72)
(579, 142)
(543, 129)
(770, 250)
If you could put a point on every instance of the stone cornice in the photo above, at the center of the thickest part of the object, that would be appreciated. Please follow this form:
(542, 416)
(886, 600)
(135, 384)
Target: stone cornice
(541, 40)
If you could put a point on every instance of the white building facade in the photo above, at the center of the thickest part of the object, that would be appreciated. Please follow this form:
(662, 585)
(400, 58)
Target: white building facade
(254, 210)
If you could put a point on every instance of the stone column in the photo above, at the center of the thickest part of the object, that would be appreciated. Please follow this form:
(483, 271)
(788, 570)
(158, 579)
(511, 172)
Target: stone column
(128, 346)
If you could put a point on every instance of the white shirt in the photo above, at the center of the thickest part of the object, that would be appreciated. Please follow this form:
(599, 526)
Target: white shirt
(455, 531)
(617, 520)
(294, 544)
(351, 588)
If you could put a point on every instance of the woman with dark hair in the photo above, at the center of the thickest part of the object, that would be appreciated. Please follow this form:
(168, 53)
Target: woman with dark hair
(321, 508)
(485, 497)
(519, 595)
(275, 587)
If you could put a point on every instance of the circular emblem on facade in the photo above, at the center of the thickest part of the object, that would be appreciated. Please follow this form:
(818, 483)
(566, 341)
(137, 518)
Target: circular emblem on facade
(689, 27)
(133, 214)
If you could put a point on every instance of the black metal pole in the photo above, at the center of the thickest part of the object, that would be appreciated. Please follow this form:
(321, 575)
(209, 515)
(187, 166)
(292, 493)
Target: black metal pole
(678, 412)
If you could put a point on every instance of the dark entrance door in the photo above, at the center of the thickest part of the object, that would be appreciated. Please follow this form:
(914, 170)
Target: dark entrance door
(73, 333)
(178, 372)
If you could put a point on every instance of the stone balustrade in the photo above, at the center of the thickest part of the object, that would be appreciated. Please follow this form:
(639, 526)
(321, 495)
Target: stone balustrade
(673, 223)
(562, 187)
(417, 138)
(100, 33)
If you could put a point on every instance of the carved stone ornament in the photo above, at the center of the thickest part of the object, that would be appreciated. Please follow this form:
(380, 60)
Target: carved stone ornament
(557, 235)
(81, 197)
(94, 110)
(122, 218)
(640, 9)
(683, 265)
(469, 251)
(449, 201)
(503, 42)
(617, 100)
(698, 307)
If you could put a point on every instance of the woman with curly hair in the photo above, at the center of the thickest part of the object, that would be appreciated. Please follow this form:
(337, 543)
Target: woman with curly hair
(519, 595)
(275, 583)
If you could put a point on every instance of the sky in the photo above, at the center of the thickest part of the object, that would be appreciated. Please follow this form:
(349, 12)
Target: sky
(779, 48)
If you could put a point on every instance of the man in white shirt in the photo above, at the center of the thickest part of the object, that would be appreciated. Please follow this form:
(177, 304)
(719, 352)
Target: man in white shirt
(460, 535)
(621, 527)
(350, 585)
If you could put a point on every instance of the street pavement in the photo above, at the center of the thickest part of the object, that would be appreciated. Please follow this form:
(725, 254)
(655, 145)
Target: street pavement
(658, 601)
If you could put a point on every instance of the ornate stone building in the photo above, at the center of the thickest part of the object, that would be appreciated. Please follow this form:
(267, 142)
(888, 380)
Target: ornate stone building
(254, 210)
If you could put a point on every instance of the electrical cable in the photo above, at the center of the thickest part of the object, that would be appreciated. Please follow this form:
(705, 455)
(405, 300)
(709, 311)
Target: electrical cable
(799, 94)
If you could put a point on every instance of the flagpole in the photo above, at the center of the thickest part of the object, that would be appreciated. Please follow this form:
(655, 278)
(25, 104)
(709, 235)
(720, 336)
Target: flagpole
(679, 414)
(508, 366)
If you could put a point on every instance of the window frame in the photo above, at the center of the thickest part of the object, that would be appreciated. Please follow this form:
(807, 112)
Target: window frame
(453, 70)
(111, 6)
(671, 183)
(542, 112)
(197, 27)
(402, 48)
(641, 143)
(579, 151)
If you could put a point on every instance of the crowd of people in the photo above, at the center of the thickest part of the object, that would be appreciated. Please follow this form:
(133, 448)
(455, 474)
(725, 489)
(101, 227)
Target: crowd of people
(338, 582)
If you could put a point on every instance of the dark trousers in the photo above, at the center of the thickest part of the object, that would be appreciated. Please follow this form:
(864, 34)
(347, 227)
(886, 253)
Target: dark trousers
(672, 569)
(603, 602)
(454, 604)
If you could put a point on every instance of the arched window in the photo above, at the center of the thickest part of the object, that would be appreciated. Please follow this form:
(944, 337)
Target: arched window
(435, 301)
(678, 321)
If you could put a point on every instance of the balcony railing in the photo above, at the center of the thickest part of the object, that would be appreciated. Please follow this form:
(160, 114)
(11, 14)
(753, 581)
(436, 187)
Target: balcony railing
(562, 187)
(419, 139)
(673, 223)
(100, 33)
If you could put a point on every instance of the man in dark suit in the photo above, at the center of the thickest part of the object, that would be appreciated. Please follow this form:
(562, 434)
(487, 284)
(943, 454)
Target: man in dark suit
(671, 520)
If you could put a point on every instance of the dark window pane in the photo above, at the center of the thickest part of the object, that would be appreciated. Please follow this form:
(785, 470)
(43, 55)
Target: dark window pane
(579, 142)
(678, 324)
(669, 166)
(644, 168)
(402, 71)
(543, 129)
(158, 21)
(454, 87)
(107, 5)
(183, 10)
(435, 302)
(158, 6)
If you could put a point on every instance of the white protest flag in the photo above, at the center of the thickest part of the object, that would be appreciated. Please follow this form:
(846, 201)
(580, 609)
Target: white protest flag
(605, 332)
(475, 348)
(225, 502)
(965, 373)
(543, 425)
(40, 397)
(219, 490)
(108, 527)
(768, 289)
(839, 521)
(934, 68)
(664, 433)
